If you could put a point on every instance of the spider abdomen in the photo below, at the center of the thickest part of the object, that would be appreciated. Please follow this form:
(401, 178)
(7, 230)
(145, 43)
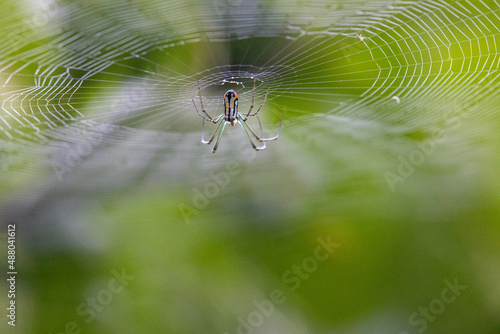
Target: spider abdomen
(231, 107)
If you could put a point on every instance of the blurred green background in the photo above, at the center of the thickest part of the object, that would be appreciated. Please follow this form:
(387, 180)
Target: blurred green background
(376, 211)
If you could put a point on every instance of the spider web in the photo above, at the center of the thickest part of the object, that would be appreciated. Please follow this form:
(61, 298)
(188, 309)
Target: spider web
(106, 85)
(96, 104)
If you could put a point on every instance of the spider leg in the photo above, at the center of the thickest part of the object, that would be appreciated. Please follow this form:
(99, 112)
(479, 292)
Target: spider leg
(255, 113)
(244, 126)
(203, 140)
(210, 119)
(253, 97)
(220, 136)
(260, 139)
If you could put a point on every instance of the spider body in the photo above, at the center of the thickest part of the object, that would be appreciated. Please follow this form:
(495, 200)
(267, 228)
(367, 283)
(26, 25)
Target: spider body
(231, 107)
(232, 117)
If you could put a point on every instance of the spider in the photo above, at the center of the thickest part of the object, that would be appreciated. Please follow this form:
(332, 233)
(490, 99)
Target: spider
(231, 117)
